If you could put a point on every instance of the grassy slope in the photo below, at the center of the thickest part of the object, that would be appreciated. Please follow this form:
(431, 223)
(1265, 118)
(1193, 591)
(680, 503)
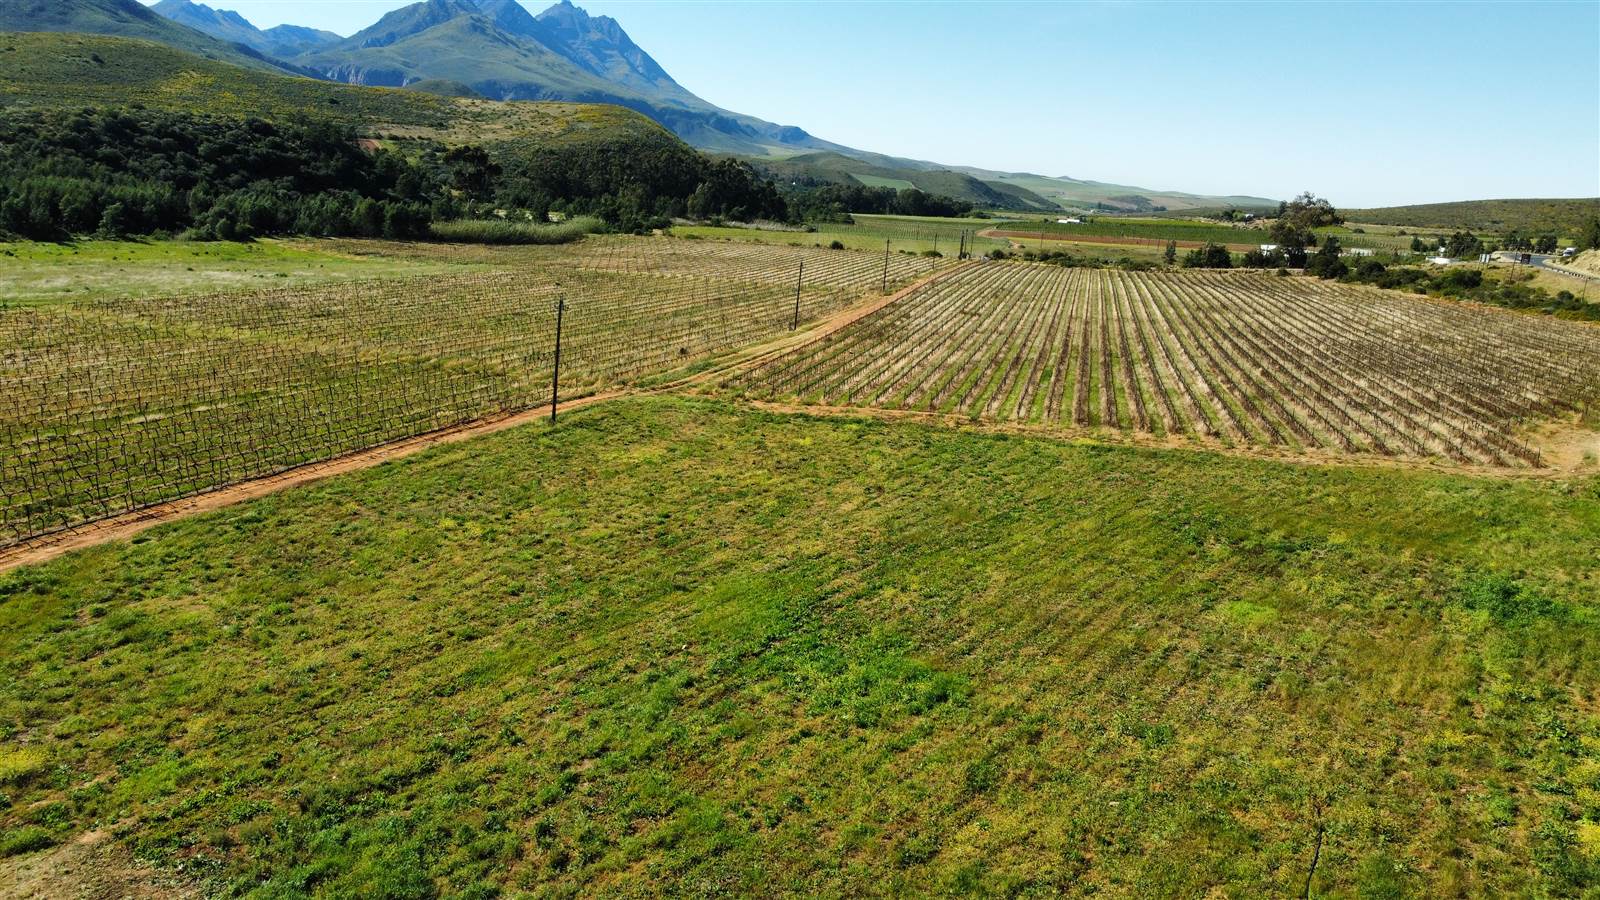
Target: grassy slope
(39, 272)
(673, 646)
(1564, 217)
(123, 18)
(77, 70)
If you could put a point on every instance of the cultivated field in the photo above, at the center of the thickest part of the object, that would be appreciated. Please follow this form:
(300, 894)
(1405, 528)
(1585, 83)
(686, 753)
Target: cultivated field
(1156, 232)
(915, 234)
(1244, 360)
(112, 405)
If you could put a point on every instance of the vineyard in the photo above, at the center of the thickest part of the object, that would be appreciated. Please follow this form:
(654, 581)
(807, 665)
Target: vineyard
(114, 405)
(1157, 232)
(1237, 360)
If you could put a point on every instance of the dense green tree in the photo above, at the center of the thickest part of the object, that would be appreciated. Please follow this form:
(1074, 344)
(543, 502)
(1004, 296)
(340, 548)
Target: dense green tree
(1545, 244)
(1325, 263)
(1211, 256)
(1463, 245)
(1171, 253)
(136, 171)
(472, 172)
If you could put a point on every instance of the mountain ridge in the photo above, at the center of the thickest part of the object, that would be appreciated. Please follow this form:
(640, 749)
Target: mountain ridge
(282, 41)
(497, 49)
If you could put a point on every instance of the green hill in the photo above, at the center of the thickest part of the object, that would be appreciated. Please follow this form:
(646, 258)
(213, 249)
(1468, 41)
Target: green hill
(1566, 217)
(75, 70)
(126, 18)
(880, 171)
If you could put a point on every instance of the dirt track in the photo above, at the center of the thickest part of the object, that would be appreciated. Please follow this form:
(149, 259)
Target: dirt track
(47, 547)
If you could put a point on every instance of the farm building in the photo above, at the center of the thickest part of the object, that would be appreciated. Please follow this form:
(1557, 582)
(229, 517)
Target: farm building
(1268, 248)
(1069, 221)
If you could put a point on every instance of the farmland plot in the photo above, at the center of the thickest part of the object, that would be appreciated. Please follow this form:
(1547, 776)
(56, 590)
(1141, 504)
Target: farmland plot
(1241, 360)
(111, 406)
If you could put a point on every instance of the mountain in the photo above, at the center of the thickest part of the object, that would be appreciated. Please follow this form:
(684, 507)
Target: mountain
(127, 18)
(75, 70)
(282, 42)
(500, 50)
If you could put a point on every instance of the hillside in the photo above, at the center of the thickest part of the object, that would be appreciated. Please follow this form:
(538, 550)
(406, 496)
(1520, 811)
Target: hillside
(70, 70)
(1077, 193)
(1566, 217)
(500, 50)
(127, 18)
(881, 171)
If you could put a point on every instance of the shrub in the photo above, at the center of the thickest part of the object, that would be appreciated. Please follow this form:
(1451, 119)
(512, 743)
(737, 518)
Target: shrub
(24, 840)
(22, 764)
(836, 245)
(1211, 256)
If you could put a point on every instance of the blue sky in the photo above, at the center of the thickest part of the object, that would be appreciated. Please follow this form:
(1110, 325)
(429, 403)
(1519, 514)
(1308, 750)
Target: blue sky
(1365, 103)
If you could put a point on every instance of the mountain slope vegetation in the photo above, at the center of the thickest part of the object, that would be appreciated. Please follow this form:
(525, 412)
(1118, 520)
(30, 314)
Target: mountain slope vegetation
(500, 50)
(126, 18)
(73, 70)
(1529, 216)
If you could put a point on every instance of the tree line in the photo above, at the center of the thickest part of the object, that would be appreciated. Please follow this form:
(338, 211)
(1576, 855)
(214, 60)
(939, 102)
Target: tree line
(137, 171)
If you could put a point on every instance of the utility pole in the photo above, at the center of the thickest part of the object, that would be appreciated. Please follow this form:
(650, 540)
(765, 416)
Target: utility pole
(798, 280)
(555, 374)
(886, 265)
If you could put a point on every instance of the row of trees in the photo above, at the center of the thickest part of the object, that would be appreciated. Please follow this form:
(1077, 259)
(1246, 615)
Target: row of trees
(835, 202)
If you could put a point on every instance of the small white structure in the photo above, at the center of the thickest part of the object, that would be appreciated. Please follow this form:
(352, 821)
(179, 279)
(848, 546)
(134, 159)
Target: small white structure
(1569, 251)
(1069, 221)
(1358, 251)
(1440, 260)
(1268, 248)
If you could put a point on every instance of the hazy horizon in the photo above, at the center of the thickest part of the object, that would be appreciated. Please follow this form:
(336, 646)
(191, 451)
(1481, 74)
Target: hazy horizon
(1402, 108)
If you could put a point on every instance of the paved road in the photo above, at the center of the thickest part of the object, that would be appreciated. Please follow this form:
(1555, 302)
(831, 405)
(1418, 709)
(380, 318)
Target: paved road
(1543, 261)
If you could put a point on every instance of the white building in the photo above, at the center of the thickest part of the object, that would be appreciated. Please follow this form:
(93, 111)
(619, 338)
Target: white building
(1069, 221)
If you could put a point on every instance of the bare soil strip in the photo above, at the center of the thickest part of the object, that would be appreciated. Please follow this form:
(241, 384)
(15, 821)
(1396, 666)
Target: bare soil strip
(48, 547)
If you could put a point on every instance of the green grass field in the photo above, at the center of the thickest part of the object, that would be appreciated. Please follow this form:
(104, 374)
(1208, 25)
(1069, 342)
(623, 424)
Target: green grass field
(676, 646)
(93, 270)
